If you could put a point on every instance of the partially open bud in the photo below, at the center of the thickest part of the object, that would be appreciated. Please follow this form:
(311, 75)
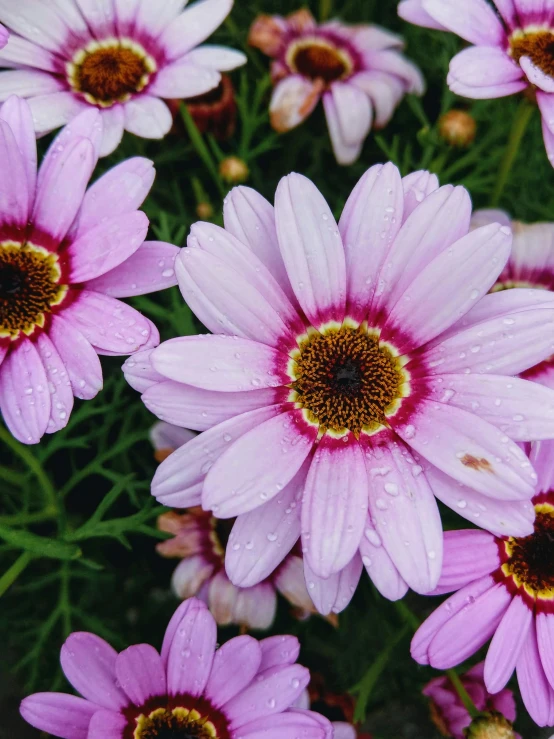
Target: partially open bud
(491, 725)
(234, 170)
(457, 128)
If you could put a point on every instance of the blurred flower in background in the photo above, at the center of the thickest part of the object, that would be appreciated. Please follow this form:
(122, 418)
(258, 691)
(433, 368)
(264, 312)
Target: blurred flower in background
(214, 112)
(357, 71)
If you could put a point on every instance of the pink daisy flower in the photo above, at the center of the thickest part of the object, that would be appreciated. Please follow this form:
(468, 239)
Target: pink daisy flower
(357, 71)
(121, 58)
(354, 377)
(243, 689)
(505, 590)
(66, 254)
(513, 49)
(449, 713)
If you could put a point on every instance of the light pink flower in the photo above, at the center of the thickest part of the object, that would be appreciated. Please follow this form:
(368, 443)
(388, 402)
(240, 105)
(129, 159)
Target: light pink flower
(449, 713)
(121, 58)
(358, 72)
(4, 35)
(354, 377)
(512, 49)
(505, 590)
(245, 688)
(66, 253)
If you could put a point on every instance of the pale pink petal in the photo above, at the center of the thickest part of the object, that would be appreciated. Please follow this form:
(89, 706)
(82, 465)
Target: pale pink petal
(140, 673)
(271, 693)
(54, 110)
(397, 65)
(293, 100)
(86, 125)
(484, 216)
(508, 11)
(225, 681)
(366, 235)
(448, 286)
(469, 628)
(471, 451)
(290, 582)
(28, 83)
(217, 57)
(139, 372)
(223, 363)
(354, 110)
(417, 186)
(121, 190)
(178, 480)
(262, 538)
(405, 514)
(441, 616)
(78, 356)
(279, 650)
(344, 153)
(255, 607)
(484, 72)
(506, 644)
(190, 574)
(24, 396)
(107, 725)
(154, 18)
(88, 663)
(545, 636)
(35, 18)
(522, 410)
(222, 597)
(542, 459)
(149, 269)
(474, 20)
(17, 115)
(99, 15)
(437, 222)
(537, 693)
(242, 479)
(184, 79)
(59, 384)
(334, 506)
(379, 566)
(21, 52)
(468, 555)
(148, 117)
(192, 652)
(15, 198)
(198, 409)
(536, 76)
(194, 26)
(289, 725)
(59, 714)
(374, 37)
(333, 594)
(113, 120)
(312, 249)
(500, 517)
(251, 219)
(342, 730)
(384, 90)
(545, 102)
(414, 12)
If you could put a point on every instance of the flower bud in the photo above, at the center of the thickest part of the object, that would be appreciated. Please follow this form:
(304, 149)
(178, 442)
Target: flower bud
(457, 128)
(234, 170)
(204, 211)
(491, 725)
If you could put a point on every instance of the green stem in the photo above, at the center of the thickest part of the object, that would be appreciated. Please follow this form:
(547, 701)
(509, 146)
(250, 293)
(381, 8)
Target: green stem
(65, 603)
(25, 519)
(519, 125)
(11, 575)
(462, 693)
(325, 7)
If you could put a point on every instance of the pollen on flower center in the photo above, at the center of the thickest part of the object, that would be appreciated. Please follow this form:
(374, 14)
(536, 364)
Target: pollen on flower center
(29, 287)
(537, 45)
(110, 71)
(176, 723)
(530, 560)
(319, 59)
(345, 379)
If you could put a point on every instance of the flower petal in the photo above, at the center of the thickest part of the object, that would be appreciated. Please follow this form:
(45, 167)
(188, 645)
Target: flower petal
(405, 515)
(354, 110)
(536, 76)
(59, 384)
(16, 113)
(255, 607)
(79, 358)
(190, 575)
(417, 186)
(334, 506)
(384, 90)
(256, 467)
(379, 566)
(149, 269)
(61, 715)
(194, 26)
(192, 652)
(148, 117)
(217, 57)
(88, 663)
(468, 555)
(344, 153)
(113, 120)
(54, 110)
(545, 636)
(288, 725)
(262, 538)
(184, 79)
(393, 63)
(28, 83)
(334, 593)
(140, 673)
(15, 198)
(222, 363)
(107, 725)
(484, 72)
(178, 480)
(35, 19)
(449, 286)
(414, 12)
(225, 681)
(506, 644)
(24, 397)
(279, 650)
(155, 18)
(19, 52)
(293, 100)
(475, 21)
(312, 249)
(535, 689)
(290, 582)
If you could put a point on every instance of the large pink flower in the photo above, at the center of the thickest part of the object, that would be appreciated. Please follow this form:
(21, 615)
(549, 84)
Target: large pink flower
(119, 57)
(359, 370)
(244, 689)
(505, 590)
(66, 253)
(512, 51)
(358, 72)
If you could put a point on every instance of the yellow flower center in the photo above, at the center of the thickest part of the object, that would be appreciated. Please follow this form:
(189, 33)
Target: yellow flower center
(537, 44)
(319, 59)
(178, 723)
